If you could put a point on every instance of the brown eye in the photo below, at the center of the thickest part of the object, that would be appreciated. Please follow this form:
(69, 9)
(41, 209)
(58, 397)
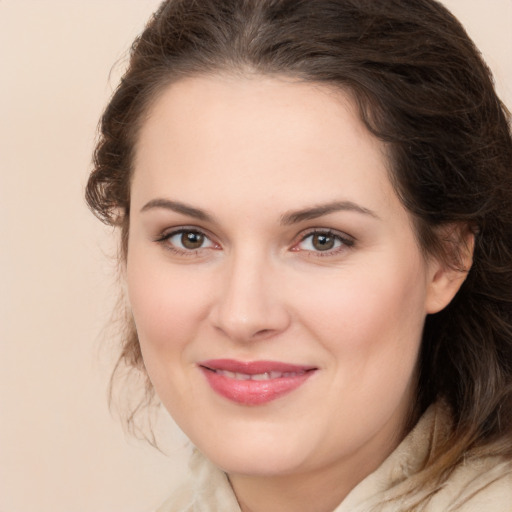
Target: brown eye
(187, 242)
(322, 241)
(192, 240)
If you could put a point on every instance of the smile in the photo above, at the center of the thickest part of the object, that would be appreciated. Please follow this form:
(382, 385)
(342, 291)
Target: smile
(256, 382)
(258, 376)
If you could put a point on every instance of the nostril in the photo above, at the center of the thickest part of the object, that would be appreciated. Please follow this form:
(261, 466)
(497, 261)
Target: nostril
(243, 316)
(262, 333)
(244, 334)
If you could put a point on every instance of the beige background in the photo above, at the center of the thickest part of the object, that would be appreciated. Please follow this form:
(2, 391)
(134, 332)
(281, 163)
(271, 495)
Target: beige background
(60, 450)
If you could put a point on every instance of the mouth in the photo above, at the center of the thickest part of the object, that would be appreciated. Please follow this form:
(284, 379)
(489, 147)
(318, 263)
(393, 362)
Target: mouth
(258, 376)
(254, 382)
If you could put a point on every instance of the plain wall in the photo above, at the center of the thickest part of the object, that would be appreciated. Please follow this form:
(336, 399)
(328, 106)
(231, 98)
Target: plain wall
(60, 449)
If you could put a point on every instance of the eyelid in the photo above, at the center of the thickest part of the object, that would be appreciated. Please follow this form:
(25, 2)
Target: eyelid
(346, 240)
(167, 234)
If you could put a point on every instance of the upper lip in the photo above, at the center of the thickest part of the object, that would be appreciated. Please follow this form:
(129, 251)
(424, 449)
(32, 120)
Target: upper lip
(253, 367)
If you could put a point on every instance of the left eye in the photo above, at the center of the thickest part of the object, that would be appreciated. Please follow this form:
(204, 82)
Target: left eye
(189, 240)
(320, 242)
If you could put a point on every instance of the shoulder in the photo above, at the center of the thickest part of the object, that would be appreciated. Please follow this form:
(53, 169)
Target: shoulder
(206, 490)
(479, 484)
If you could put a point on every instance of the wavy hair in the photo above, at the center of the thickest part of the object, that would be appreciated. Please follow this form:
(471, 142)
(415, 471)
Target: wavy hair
(422, 87)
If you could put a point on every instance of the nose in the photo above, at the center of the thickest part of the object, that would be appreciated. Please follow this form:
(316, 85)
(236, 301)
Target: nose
(249, 305)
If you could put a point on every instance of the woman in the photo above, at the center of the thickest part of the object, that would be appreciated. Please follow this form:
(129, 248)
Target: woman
(315, 205)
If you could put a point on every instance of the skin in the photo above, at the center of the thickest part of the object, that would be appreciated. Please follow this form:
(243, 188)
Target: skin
(247, 154)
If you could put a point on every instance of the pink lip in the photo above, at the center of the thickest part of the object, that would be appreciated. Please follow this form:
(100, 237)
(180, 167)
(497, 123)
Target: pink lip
(254, 392)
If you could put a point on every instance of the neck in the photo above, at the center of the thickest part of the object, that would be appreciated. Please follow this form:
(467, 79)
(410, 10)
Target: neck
(313, 491)
(305, 493)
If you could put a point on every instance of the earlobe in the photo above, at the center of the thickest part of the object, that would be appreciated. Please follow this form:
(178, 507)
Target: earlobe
(447, 273)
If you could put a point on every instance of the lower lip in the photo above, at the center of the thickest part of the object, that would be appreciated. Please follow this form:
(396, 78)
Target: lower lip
(253, 392)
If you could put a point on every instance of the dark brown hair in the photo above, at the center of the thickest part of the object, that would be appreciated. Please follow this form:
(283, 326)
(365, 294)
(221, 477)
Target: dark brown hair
(423, 88)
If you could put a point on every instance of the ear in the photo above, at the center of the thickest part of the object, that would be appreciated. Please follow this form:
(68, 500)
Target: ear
(449, 270)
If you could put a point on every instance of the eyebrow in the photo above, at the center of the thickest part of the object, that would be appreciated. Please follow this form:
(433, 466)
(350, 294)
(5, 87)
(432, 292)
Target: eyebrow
(314, 212)
(288, 218)
(177, 207)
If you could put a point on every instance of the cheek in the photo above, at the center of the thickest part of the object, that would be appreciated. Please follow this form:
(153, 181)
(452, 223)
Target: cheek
(369, 317)
(371, 328)
(166, 304)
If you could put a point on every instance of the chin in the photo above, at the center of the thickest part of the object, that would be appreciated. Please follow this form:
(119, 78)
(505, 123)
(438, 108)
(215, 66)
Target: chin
(251, 455)
(264, 464)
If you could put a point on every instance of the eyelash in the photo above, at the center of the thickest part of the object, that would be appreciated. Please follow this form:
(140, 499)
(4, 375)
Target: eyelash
(344, 242)
(165, 238)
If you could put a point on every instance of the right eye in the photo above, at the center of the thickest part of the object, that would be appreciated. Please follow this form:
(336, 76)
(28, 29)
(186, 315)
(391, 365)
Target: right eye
(185, 241)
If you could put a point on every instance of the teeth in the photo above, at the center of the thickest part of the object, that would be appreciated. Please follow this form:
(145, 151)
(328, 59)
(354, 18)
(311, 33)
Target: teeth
(258, 376)
(261, 376)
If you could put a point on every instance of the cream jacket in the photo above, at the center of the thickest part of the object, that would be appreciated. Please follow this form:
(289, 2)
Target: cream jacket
(482, 485)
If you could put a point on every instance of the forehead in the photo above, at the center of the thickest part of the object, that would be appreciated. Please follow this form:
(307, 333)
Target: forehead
(208, 137)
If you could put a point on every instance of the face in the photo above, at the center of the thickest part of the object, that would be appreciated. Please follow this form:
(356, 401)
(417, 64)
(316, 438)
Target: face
(276, 283)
